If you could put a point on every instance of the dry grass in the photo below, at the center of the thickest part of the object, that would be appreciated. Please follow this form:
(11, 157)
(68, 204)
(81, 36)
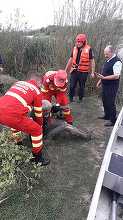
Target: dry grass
(6, 79)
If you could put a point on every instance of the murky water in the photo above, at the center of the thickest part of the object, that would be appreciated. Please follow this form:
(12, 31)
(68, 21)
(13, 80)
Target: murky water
(65, 187)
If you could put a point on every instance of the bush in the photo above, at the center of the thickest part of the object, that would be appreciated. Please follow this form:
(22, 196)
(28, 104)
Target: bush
(11, 156)
(5, 82)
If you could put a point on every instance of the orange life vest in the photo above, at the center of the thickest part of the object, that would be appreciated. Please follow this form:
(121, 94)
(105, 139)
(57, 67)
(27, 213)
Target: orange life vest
(84, 62)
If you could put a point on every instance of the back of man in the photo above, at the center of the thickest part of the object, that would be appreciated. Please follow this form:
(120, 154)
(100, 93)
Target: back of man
(20, 98)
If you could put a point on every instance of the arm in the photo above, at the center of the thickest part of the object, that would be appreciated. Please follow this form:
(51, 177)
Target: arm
(1, 68)
(116, 70)
(98, 85)
(111, 77)
(69, 65)
(38, 109)
(92, 61)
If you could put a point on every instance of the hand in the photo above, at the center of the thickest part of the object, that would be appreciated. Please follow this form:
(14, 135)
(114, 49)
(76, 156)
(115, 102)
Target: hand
(100, 76)
(92, 75)
(72, 69)
(98, 85)
(1, 69)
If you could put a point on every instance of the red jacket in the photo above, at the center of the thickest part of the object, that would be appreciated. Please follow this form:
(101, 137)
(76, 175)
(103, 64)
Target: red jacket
(26, 95)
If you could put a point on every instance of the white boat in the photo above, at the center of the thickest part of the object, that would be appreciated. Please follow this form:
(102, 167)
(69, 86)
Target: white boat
(109, 186)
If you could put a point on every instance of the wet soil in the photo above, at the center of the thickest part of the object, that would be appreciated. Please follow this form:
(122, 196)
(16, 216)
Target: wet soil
(65, 187)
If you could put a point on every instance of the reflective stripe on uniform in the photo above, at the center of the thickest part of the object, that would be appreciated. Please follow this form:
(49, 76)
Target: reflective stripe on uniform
(66, 113)
(62, 90)
(37, 138)
(19, 98)
(38, 111)
(38, 108)
(38, 114)
(37, 145)
(13, 130)
(44, 90)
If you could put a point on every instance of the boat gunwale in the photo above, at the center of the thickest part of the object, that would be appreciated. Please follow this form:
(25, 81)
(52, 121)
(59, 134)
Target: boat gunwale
(105, 162)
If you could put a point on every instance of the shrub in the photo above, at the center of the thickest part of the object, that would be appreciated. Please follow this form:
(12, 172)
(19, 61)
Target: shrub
(11, 156)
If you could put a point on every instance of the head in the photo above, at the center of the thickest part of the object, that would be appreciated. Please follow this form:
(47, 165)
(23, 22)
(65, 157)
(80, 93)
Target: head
(46, 106)
(108, 52)
(81, 40)
(60, 78)
(34, 75)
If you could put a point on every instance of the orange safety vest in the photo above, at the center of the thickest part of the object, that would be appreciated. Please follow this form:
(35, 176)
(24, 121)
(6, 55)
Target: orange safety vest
(84, 62)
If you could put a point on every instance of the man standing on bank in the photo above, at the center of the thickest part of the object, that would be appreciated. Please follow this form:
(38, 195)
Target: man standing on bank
(109, 79)
(80, 64)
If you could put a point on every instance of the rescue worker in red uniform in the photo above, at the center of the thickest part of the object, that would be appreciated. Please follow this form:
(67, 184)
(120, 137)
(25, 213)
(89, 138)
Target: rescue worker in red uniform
(80, 64)
(55, 84)
(15, 106)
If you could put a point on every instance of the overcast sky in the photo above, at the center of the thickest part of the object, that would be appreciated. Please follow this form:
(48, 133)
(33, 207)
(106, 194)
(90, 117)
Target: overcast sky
(38, 13)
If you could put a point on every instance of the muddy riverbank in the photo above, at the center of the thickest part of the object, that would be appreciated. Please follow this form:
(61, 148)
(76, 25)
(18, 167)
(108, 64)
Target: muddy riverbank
(65, 187)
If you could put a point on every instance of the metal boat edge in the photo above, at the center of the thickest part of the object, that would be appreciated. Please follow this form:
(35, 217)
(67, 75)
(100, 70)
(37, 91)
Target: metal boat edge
(100, 190)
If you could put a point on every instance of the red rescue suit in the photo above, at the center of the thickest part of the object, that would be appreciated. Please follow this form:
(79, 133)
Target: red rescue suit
(49, 89)
(15, 106)
(84, 63)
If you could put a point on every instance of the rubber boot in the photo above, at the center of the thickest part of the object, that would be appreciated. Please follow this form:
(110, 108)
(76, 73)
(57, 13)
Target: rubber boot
(39, 159)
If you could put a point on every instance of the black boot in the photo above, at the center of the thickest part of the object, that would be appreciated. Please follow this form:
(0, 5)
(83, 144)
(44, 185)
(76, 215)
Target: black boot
(104, 117)
(39, 159)
(71, 99)
(80, 98)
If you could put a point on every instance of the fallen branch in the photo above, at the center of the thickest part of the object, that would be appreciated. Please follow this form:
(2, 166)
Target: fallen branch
(1, 201)
(2, 194)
